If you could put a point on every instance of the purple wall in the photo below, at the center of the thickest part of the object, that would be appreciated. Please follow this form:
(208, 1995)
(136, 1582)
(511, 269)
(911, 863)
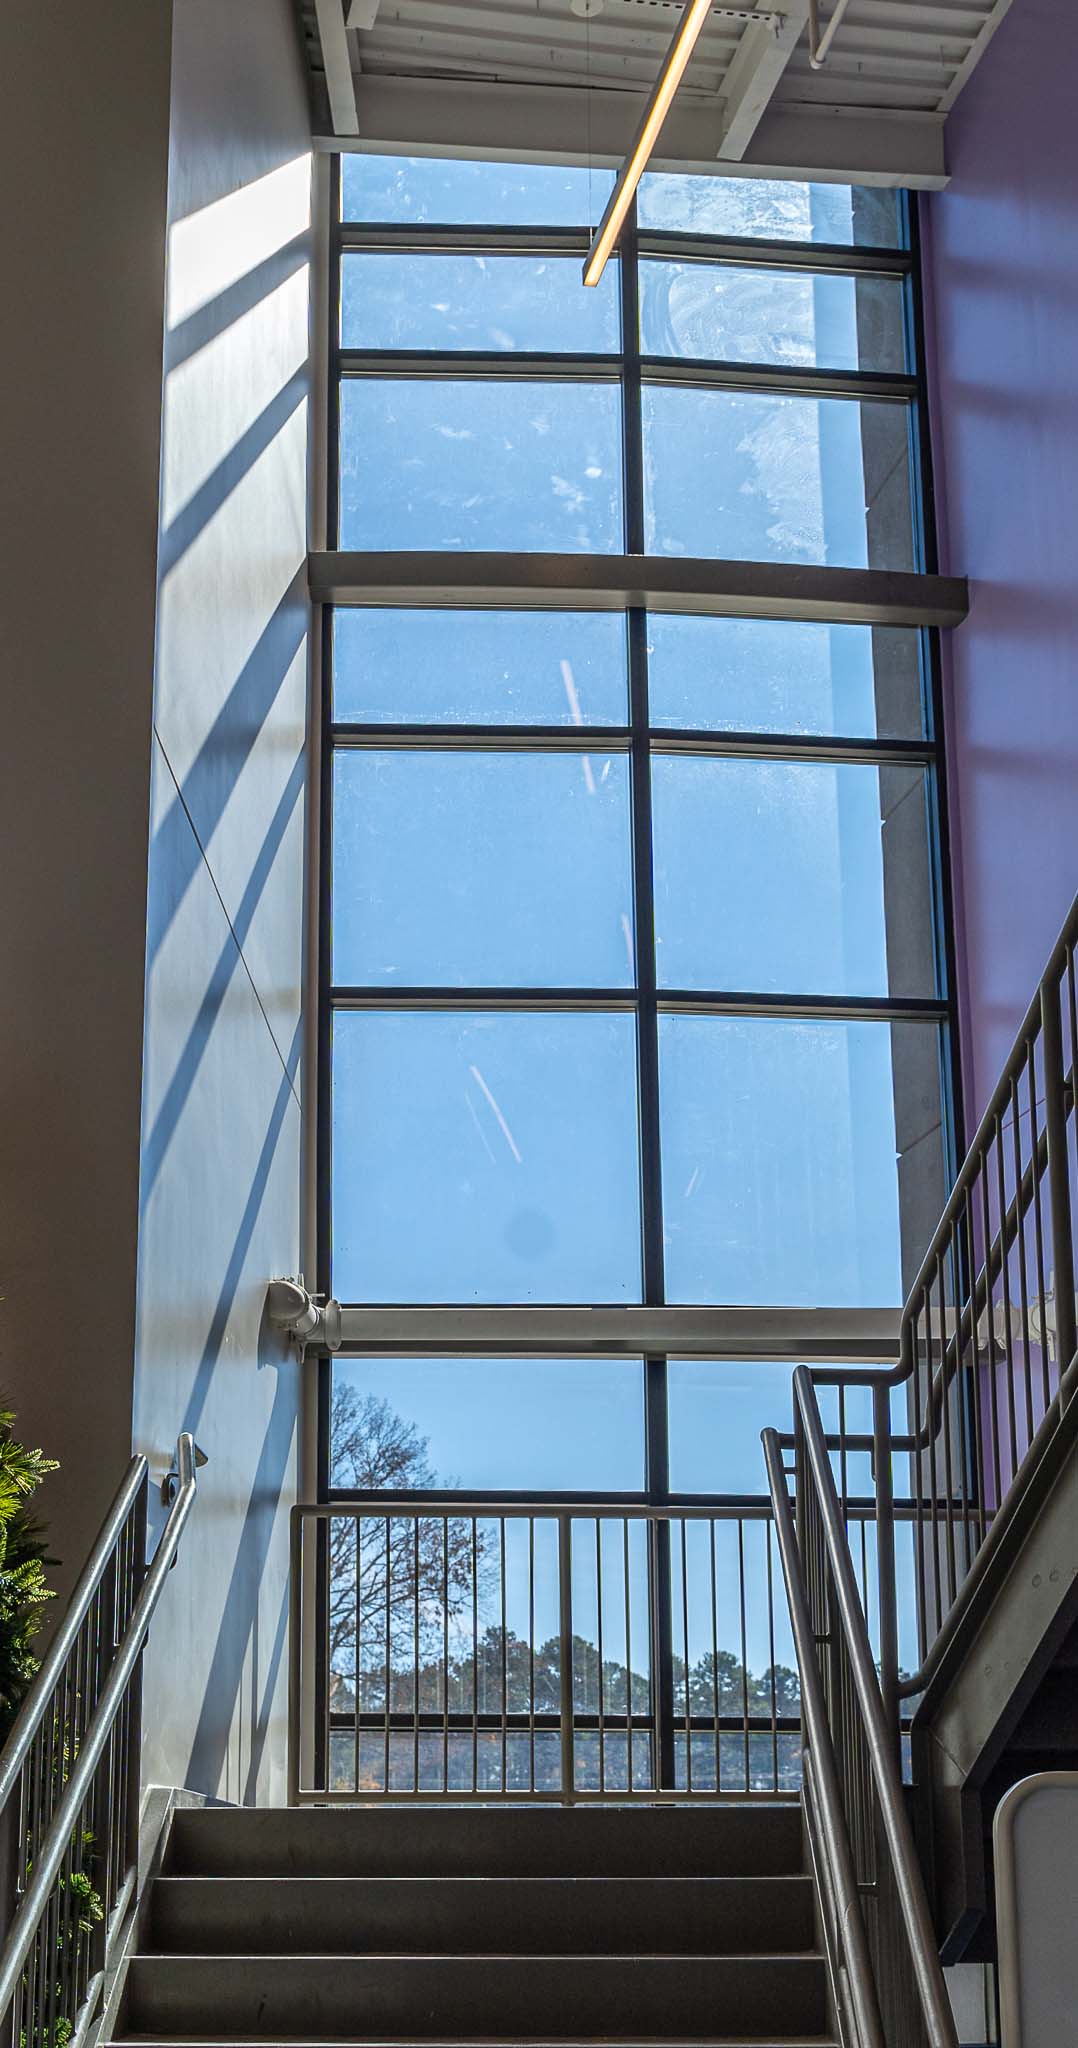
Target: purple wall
(1001, 273)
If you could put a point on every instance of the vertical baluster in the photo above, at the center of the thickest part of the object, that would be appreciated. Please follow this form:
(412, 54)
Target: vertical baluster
(976, 1389)
(531, 1649)
(685, 1649)
(445, 1654)
(716, 1705)
(1055, 1128)
(357, 1658)
(599, 1633)
(416, 1567)
(387, 1761)
(505, 1660)
(771, 1657)
(914, 1422)
(744, 1653)
(961, 1374)
(945, 1416)
(1023, 1280)
(565, 1637)
(1005, 1282)
(628, 1657)
(993, 1348)
(475, 1654)
(1038, 1214)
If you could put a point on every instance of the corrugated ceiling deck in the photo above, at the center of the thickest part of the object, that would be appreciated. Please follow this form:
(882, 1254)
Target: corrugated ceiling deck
(905, 54)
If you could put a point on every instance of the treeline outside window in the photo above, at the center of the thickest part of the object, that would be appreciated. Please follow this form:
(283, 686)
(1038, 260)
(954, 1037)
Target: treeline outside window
(632, 953)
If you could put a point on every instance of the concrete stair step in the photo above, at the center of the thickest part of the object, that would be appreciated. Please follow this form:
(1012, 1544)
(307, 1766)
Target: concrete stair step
(425, 1998)
(518, 1916)
(459, 1841)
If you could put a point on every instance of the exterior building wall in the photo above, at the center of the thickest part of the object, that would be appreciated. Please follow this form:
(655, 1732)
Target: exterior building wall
(222, 1104)
(1001, 261)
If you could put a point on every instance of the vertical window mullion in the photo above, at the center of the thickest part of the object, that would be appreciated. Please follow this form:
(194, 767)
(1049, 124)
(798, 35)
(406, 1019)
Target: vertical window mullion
(644, 903)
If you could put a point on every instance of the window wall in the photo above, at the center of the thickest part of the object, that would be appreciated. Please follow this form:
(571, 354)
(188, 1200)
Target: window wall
(633, 983)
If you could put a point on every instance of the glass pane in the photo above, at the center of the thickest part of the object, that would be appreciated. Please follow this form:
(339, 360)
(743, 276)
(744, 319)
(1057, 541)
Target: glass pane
(731, 314)
(718, 1407)
(775, 209)
(427, 464)
(716, 1412)
(755, 476)
(771, 876)
(476, 302)
(490, 1423)
(449, 193)
(485, 1158)
(779, 675)
(479, 668)
(780, 1168)
(472, 870)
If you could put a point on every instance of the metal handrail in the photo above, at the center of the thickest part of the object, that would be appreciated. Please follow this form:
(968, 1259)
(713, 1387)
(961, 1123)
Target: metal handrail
(878, 1735)
(50, 1857)
(844, 1929)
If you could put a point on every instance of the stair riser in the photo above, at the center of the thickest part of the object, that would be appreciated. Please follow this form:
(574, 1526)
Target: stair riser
(730, 1841)
(454, 1916)
(424, 1999)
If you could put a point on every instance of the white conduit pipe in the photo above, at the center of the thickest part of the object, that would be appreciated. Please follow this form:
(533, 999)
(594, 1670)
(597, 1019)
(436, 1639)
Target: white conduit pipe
(819, 45)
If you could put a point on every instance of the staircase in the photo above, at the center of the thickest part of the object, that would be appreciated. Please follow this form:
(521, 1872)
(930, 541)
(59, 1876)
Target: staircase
(473, 1924)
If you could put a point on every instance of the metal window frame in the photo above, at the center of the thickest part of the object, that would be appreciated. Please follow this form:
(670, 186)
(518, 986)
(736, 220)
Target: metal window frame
(921, 599)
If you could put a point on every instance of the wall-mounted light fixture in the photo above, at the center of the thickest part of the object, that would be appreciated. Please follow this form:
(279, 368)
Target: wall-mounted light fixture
(621, 198)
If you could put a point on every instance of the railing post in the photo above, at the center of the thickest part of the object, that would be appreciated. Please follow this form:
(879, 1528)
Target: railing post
(1059, 1200)
(885, 1555)
(565, 1631)
(133, 1789)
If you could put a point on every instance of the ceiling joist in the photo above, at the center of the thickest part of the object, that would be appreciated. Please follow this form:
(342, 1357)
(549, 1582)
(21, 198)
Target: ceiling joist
(763, 52)
(337, 64)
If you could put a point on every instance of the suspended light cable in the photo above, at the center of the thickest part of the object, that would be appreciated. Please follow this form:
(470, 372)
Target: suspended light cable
(673, 71)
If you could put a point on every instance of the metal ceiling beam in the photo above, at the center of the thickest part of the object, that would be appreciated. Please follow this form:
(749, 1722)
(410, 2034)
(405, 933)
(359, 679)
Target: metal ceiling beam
(363, 13)
(763, 53)
(532, 582)
(337, 63)
(410, 116)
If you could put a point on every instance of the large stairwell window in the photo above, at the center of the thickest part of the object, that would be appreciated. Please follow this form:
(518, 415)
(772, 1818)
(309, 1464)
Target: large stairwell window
(635, 1012)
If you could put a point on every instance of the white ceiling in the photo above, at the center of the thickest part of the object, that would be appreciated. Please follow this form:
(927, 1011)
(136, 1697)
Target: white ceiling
(532, 78)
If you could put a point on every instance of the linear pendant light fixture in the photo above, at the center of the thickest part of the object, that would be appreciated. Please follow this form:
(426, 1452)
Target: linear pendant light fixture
(621, 198)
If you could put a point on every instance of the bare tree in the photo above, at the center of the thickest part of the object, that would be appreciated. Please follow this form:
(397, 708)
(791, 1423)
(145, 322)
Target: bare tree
(395, 1582)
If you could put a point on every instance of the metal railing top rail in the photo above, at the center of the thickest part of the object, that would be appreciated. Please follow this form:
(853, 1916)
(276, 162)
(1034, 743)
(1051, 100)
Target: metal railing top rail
(998, 1104)
(54, 1848)
(848, 1615)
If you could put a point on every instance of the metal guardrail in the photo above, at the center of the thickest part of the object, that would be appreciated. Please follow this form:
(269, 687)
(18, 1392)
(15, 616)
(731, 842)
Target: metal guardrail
(987, 1358)
(569, 1651)
(69, 1773)
(886, 1974)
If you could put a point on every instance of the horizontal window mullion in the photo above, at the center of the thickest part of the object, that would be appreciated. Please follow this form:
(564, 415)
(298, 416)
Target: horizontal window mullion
(744, 252)
(451, 999)
(502, 365)
(767, 746)
(520, 739)
(420, 238)
(741, 1003)
(668, 1001)
(783, 379)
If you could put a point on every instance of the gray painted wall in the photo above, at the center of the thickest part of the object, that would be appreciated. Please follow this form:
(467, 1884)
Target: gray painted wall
(84, 95)
(222, 1107)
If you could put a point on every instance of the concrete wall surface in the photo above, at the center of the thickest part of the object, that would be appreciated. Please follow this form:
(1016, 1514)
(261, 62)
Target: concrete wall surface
(84, 100)
(222, 1120)
(1002, 289)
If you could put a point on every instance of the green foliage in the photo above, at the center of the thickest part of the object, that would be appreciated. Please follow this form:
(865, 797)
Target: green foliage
(23, 1557)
